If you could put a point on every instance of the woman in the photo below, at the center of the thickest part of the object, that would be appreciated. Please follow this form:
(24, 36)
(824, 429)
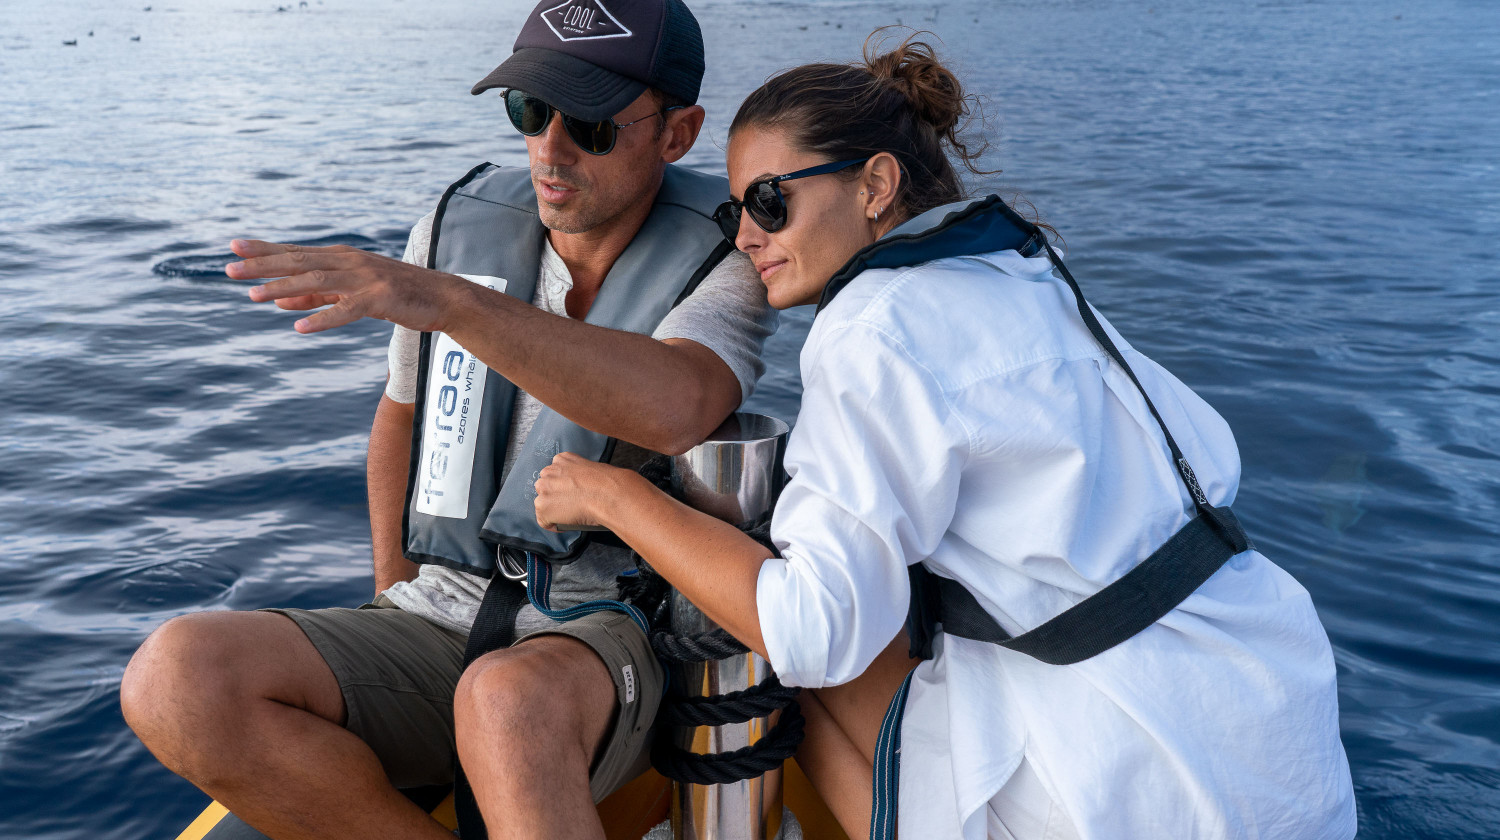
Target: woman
(960, 418)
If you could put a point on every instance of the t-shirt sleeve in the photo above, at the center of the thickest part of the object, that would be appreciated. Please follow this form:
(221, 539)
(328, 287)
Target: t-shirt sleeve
(729, 315)
(875, 463)
(406, 345)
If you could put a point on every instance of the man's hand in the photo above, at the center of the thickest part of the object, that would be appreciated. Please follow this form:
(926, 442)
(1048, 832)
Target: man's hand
(353, 284)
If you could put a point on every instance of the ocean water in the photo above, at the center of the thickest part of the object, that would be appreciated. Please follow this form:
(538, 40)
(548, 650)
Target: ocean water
(1295, 206)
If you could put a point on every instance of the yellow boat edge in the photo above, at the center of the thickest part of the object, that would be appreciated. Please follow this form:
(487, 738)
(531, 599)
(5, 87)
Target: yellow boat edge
(622, 810)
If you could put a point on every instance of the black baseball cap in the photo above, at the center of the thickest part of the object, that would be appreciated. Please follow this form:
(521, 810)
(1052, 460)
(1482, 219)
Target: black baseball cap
(591, 58)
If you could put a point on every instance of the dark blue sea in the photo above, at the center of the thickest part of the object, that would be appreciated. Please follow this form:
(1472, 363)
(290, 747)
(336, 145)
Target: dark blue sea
(1293, 205)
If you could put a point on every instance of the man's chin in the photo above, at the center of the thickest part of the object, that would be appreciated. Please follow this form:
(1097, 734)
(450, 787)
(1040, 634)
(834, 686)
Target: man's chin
(564, 220)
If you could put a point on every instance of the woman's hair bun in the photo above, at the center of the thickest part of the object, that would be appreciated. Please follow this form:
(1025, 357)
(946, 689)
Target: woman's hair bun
(900, 101)
(912, 67)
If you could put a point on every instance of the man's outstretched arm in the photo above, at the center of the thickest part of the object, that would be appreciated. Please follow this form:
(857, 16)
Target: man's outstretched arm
(662, 395)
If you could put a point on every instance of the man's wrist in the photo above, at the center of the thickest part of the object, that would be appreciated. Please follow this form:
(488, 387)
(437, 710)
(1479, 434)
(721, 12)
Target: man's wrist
(467, 307)
(453, 302)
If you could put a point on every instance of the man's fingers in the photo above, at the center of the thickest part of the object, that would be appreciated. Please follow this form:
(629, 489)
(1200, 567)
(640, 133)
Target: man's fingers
(296, 286)
(283, 264)
(261, 248)
(257, 247)
(323, 287)
(341, 313)
(269, 259)
(302, 303)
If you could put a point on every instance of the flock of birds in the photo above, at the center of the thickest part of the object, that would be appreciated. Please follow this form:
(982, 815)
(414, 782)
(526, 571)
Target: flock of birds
(74, 42)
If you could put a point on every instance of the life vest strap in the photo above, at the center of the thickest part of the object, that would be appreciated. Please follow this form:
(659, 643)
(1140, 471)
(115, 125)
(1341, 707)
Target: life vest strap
(1097, 623)
(887, 777)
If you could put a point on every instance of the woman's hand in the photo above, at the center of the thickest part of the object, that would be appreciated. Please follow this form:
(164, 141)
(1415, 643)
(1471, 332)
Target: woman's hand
(573, 490)
(710, 561)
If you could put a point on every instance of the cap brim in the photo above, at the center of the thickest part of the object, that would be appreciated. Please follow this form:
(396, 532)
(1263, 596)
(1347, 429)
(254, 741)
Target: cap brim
(570, 84)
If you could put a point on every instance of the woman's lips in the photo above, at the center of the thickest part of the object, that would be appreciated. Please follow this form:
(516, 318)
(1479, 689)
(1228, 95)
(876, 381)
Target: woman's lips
(768, 268)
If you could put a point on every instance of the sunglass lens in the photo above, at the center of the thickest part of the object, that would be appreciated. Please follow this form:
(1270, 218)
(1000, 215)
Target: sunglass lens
(596, 138)
(527, 113)
(728, 217)
(766, 207)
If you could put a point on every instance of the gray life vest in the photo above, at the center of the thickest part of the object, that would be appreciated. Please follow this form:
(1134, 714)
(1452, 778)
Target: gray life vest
(458, 514)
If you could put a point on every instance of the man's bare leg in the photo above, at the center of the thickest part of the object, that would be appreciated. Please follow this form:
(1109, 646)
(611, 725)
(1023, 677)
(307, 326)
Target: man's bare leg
(241, 705)
(529, 721)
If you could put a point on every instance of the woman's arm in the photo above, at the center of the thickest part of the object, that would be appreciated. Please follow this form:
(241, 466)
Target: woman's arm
(875, 466)
(711, 562)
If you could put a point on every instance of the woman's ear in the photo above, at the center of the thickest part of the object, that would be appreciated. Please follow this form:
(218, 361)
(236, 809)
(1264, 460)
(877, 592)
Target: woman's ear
(881, 182)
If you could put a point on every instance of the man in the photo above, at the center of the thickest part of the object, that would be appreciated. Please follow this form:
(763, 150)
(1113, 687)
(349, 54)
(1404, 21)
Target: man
(307, 727)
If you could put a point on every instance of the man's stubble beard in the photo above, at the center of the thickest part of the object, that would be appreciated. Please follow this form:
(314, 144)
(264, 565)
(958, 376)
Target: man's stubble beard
(585, 212)
(574, 220)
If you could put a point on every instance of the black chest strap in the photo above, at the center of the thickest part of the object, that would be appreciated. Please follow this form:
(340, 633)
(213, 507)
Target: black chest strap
(1097, 623)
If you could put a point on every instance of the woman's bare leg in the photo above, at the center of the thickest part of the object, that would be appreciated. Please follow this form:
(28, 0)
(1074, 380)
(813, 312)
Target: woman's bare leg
(843, 724)
(835, 767)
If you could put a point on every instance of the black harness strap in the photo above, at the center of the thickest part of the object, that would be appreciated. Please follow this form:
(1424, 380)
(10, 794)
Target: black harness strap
(1102, 620)
(494, 628)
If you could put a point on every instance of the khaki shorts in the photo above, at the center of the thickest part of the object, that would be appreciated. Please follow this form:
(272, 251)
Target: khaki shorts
(398, 671)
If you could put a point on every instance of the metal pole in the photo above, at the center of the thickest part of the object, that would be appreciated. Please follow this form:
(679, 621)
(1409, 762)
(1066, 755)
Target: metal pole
(735, 475)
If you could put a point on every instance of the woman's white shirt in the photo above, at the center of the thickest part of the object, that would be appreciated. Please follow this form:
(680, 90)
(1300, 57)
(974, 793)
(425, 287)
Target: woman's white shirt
(960, 413)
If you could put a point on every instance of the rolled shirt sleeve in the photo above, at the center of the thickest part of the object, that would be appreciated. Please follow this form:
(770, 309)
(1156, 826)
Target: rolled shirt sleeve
(875, 462)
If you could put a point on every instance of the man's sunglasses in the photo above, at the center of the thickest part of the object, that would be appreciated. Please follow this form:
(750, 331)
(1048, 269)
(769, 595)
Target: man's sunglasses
(531, 116)
(765, 203)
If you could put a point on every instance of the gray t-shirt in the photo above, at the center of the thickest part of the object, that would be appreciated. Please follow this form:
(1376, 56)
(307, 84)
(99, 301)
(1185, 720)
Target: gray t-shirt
(727, 313)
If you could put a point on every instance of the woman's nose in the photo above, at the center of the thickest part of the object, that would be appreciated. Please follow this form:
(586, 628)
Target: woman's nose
(750, 236)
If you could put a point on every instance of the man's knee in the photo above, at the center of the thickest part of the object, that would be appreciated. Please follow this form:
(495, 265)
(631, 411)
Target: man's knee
(173, 664)
(552, 692)
(193, 679)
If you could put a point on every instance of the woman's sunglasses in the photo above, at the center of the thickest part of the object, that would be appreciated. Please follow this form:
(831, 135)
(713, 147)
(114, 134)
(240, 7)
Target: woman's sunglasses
(531, 116)
(765, 203)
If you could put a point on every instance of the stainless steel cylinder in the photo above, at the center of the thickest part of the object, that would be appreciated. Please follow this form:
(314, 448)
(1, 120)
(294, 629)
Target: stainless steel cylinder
(735, 476)
(736, 473)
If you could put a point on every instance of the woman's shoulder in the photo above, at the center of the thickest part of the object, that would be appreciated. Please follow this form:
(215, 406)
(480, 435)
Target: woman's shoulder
(961, 315)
